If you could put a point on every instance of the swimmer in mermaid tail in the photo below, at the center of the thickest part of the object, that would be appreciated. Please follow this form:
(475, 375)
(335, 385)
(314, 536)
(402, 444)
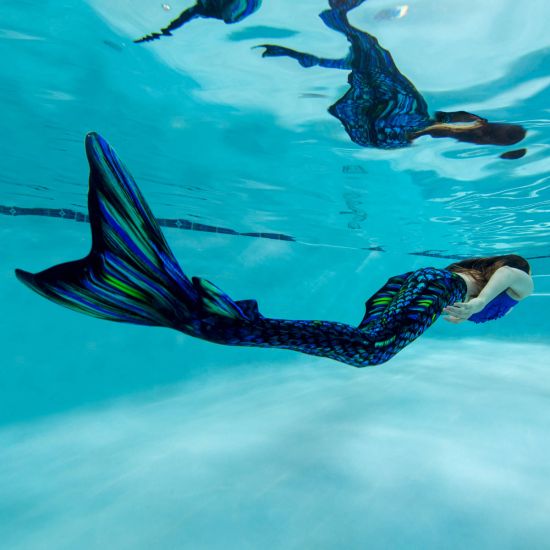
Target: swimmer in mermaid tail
(131, 276)
(229, 11)
(382, 108)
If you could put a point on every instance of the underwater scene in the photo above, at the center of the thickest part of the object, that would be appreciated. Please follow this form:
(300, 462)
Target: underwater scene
(306, 246)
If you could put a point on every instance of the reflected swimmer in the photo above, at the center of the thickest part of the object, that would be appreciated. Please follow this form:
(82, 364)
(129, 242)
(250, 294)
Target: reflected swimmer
(229, 11)
(131, 276)
(382, 108)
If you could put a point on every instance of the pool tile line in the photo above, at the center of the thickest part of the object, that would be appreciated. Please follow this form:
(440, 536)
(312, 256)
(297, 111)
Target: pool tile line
(188, 225)
(181, 223)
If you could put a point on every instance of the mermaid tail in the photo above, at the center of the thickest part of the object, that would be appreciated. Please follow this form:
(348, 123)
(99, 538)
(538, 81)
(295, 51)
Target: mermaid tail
(130, 274)
(381, 300)
(409, 303)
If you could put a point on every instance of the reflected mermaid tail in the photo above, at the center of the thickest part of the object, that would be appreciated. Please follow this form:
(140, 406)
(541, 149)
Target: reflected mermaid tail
(229, 11)
(382, 108)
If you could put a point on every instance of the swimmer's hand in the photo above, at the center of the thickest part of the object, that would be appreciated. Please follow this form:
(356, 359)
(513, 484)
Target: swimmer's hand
(453, 320)
(463, 310)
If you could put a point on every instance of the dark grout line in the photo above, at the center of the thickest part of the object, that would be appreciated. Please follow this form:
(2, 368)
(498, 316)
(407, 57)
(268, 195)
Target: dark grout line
(188, 225)
(434, 254)
(73, 215)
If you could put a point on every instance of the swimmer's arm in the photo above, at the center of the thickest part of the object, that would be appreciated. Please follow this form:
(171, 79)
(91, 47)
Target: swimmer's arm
(507, 278)
(517, 282)
(305, 59)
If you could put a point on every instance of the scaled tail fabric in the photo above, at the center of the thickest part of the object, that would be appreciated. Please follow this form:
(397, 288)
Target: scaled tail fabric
(131, 276)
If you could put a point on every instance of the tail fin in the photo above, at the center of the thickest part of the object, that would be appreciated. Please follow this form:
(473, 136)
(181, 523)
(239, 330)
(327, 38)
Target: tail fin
(130, 274)
(183, 18)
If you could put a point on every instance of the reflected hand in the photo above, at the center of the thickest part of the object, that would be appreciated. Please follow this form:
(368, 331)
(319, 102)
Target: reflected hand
(305, 59)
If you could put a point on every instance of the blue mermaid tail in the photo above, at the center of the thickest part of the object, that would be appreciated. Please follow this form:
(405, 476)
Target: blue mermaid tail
(130, 274)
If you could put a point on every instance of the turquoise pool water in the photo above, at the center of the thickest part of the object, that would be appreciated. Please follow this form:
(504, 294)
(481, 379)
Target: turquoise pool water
(116, 436)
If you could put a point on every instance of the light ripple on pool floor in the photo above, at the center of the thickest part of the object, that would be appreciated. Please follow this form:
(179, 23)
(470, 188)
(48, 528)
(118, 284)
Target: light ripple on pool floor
(435, 448)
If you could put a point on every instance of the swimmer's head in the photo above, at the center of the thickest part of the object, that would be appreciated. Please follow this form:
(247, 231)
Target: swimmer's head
(482, 269)
(493, 262)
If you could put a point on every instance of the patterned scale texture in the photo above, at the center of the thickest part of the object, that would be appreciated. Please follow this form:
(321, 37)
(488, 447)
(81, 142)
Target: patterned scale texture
(395, 316)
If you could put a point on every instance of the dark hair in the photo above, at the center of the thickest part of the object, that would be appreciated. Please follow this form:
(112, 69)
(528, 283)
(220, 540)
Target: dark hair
(497, 133)
(482, 269)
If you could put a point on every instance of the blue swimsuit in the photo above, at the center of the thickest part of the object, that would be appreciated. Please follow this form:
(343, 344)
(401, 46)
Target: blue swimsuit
(498, 307)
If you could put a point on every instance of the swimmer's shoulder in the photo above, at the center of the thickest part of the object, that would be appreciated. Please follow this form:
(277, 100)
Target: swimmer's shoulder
(521, 284)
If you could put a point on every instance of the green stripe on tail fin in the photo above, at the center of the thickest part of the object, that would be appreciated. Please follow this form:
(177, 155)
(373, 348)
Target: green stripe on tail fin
(130, 274)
